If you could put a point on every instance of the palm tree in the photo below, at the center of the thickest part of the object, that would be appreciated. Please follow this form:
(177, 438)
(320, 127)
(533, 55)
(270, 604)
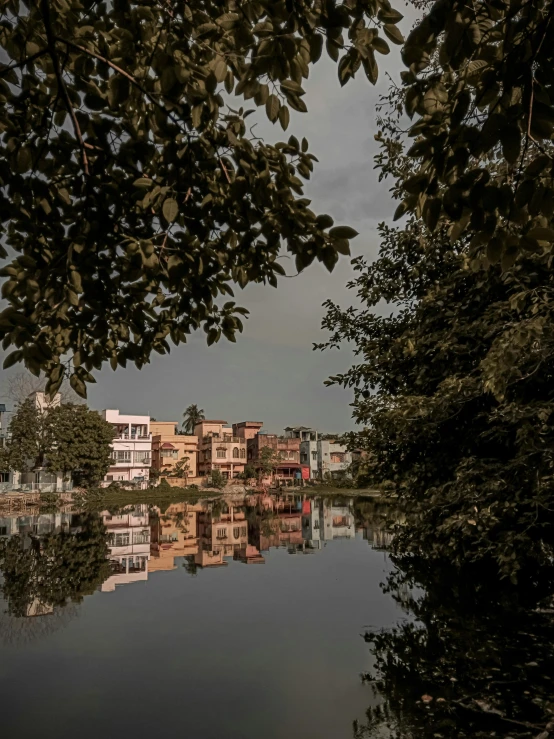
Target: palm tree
(192, 415)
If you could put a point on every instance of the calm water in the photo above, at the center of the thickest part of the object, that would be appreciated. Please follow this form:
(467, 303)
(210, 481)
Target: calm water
(238, 619)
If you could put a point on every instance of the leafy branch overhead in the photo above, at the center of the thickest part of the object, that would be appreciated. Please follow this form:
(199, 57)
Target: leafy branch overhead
(132, 194)
(480, 90)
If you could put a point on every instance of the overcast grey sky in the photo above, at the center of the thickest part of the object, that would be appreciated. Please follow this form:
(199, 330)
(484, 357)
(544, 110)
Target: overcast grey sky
(272, 374)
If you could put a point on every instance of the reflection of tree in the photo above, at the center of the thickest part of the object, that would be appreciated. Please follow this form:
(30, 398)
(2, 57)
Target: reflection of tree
(190, 565)
(40, 574)
(475, 660)
(16, 631)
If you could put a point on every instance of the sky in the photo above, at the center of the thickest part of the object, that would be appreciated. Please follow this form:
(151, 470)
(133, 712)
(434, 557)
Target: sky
(272, 373)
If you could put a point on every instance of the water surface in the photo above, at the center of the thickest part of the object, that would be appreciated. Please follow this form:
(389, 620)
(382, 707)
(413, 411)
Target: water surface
(237, 618)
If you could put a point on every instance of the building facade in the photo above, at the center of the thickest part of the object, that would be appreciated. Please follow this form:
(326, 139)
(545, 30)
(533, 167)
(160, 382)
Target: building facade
(219, 449)
(333, 460)
(308, 439)
(169, 448)
(131, 449)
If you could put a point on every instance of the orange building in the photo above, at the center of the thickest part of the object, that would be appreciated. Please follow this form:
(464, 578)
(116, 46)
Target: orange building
(169, 448)
(219, 449)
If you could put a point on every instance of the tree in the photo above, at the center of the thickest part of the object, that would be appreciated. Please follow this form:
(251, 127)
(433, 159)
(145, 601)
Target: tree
(454, 389)
(182, 469)
(78, 440)
(132, 196)
(249, 472)
(217, 480)
(480, 86)
(57, 569)
(192, 415)
(24, 449)
(268, 459)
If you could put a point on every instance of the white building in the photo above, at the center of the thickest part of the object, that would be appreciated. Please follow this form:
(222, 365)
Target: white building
(333, 460)
(129, 544)
(131, 449)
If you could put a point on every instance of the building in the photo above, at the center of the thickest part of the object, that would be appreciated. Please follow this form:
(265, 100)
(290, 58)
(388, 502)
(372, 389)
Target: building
(333, 460)
(169, 448)
(219, 449)
(247, 429)
(129, 545)
(131, 449)
(308, 438)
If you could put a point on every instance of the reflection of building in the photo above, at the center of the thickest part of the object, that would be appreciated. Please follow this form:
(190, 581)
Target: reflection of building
(311, 523)
(220, 449)
(169, 447)
(129, 545)
(222, 530)
(173, 534)
(336, 521)
(131, 449)
(249, 554)
(377, 537)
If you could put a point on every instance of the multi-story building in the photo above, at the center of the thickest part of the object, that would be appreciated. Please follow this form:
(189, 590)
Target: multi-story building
(169, 448)
(131, 449)
(333, 460)
(288, 449)
(308, 446)
(129, 545)
(219, 449)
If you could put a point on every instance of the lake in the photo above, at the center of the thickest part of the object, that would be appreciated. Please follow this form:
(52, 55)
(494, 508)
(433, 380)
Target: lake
(233, 618)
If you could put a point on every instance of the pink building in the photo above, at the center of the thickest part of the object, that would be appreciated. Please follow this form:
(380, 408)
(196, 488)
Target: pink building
(131, 449)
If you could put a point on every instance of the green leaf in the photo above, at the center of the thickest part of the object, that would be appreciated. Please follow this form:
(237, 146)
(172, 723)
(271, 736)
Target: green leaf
(284, 117)
(494, 250)
(342, 232)
(12, 359)
(170, 209)
(380, 45)
(272, 108)
(393, 33)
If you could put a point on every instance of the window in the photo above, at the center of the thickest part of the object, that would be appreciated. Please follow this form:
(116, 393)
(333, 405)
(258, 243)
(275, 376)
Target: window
(236, 453)
(170, 453)
(243, 453)
(4, 476)
(221, 533)
(337, 457)
(143, 457)
(121, 456)
(119, 540)
(243, 531)
(141, 537)
(314, 456)
(236, 532)
(3, 530)
(221, 452)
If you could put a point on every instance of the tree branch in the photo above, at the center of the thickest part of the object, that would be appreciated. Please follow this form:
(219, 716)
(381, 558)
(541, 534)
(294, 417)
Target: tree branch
(61, 82)
(18, 65)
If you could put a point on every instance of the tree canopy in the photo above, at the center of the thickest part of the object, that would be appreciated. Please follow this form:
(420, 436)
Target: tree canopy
(133, 190)
(66, 438)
